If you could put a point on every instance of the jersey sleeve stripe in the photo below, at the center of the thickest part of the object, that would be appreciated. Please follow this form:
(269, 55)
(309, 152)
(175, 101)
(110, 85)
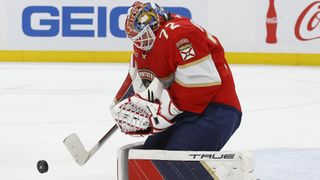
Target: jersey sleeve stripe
(207, 73)
(197, 85)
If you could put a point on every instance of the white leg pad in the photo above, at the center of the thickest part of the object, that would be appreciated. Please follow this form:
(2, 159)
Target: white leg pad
(219, 165)
(241, 167)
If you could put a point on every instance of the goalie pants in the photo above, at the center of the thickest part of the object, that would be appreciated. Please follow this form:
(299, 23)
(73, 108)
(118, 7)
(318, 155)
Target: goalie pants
(208, 131)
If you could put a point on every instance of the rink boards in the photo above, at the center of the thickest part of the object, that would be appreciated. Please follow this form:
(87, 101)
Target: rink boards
(94, 31)
(124, 57)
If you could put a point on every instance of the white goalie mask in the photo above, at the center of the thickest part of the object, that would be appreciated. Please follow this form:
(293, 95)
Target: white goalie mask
(144, 39)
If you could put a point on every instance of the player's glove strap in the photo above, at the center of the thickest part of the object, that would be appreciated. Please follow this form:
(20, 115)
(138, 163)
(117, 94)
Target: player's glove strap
(163, 112)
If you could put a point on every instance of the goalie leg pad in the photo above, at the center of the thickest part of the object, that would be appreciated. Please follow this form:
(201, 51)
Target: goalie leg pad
(157, 164)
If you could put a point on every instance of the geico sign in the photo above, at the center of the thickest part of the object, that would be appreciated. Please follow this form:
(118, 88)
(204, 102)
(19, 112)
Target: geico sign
(78, 21)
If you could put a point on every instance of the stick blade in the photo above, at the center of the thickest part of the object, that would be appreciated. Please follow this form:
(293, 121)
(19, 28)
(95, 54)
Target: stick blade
(76, 149)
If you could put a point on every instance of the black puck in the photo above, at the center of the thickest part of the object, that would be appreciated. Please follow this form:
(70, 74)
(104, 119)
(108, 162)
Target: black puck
(42, 166)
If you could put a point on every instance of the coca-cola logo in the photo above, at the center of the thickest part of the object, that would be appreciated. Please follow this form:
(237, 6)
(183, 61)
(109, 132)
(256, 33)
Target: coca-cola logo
(308, 24)
(272, 20)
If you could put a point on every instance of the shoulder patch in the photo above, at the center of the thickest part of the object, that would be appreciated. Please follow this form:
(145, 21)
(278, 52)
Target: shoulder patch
(186, 49)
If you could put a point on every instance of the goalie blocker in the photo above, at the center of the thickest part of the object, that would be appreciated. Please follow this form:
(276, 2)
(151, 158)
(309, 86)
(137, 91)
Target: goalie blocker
(135, 163)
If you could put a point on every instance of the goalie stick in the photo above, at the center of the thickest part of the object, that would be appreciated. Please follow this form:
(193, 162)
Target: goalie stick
(78, 151)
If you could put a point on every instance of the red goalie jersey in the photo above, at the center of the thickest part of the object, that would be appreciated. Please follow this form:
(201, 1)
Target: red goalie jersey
(191, 64)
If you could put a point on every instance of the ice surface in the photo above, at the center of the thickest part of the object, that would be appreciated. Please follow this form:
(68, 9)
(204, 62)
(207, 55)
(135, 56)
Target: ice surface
(40, 104)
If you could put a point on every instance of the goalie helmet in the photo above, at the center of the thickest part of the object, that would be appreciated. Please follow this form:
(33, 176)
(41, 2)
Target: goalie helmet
(142, 21)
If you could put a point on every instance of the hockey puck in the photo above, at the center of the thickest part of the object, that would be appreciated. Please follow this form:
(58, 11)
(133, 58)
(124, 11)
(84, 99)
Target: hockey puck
(42, 166)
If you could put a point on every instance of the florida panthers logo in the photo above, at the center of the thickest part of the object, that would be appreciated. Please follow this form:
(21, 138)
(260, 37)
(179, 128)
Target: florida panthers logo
(146, 76)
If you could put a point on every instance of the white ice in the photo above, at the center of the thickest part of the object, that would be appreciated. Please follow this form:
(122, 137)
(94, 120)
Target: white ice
(40, 104)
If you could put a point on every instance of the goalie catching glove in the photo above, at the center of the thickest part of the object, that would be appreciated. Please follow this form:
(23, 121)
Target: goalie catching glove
(149, 112)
